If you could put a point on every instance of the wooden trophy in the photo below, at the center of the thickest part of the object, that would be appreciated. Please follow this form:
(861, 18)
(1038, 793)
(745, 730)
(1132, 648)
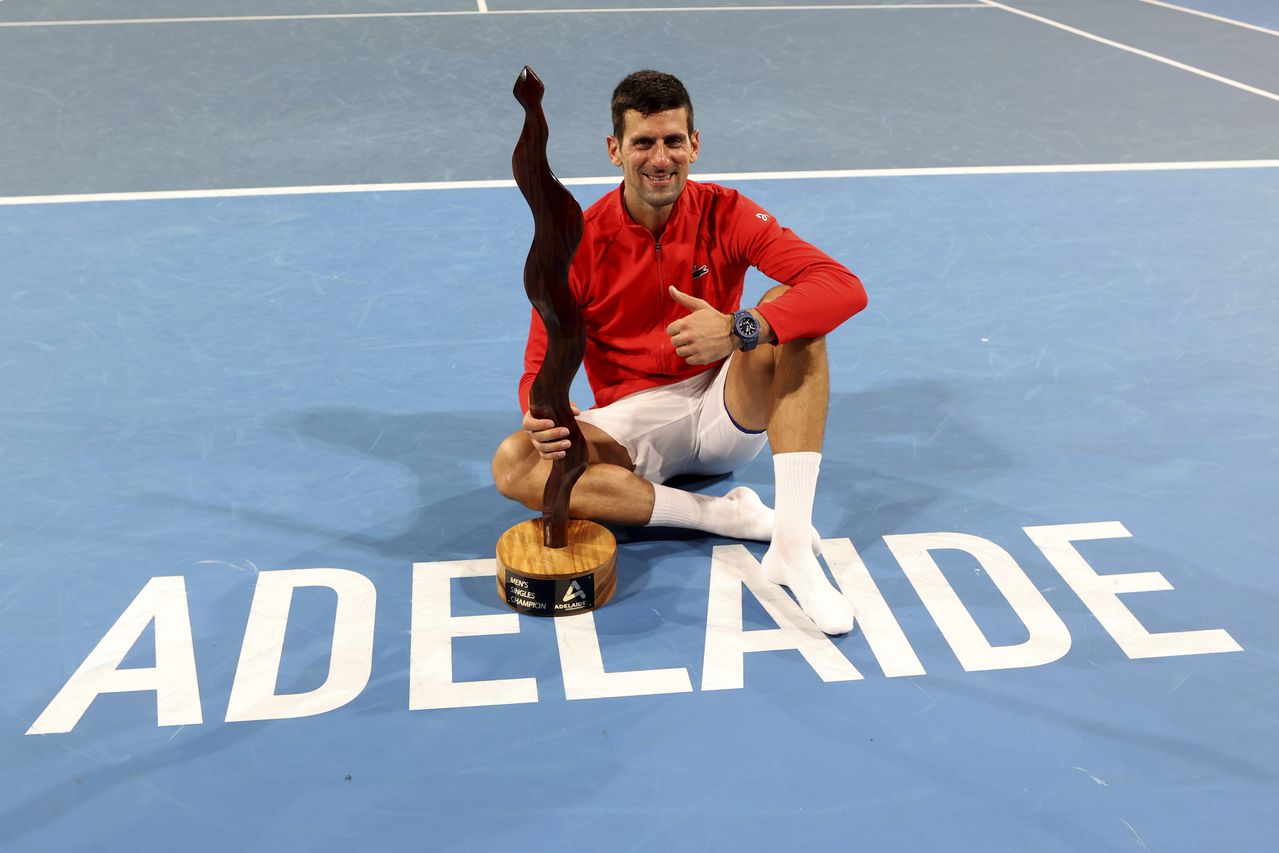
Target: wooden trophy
(553, 565)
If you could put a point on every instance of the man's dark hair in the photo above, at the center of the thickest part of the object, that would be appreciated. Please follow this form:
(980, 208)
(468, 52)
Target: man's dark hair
(649, 92)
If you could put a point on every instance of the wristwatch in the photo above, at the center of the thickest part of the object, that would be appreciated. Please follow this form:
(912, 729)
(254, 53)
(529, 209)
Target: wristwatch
(746, 327)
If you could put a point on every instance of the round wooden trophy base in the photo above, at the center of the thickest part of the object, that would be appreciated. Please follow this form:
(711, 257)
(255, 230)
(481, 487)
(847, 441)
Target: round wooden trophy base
(541, 581)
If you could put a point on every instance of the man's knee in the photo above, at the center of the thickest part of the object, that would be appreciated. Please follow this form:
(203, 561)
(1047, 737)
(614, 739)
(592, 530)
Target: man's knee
(809, 347)
(516, 471)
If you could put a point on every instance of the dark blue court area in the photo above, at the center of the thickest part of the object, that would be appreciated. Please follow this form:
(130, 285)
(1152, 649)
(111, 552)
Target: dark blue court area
(262, 327)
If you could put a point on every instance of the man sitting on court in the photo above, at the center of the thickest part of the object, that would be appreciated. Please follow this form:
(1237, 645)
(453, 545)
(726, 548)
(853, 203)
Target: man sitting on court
(684, 381)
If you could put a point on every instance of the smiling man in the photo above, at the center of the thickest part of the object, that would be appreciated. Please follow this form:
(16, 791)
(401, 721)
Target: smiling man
(686, 381)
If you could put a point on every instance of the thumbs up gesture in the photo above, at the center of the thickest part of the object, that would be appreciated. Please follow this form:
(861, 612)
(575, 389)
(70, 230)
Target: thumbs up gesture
(705, 335)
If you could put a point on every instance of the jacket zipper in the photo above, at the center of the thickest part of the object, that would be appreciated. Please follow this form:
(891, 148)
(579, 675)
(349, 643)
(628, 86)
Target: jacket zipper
(661, 285)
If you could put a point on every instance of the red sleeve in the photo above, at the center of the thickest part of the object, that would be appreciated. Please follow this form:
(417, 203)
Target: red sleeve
(823, 294)
(534, 352)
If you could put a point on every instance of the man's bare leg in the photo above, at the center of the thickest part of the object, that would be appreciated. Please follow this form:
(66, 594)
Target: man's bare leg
(786, 389)
(607, 491)
(610, 491)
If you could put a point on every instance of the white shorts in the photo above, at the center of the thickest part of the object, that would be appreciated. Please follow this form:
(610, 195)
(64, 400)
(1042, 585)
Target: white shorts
(682, 428)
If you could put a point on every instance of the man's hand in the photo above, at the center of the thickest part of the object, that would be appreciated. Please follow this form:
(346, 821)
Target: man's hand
(704, 336)
(550, 440)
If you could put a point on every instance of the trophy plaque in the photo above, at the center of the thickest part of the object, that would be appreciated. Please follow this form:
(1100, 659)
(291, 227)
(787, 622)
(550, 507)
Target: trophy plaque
(553, 565)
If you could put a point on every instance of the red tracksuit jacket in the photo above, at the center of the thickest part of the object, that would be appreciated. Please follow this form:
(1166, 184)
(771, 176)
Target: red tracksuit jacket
(620, 275)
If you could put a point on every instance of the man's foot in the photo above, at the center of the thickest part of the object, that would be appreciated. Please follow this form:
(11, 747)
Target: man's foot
(798, 570)
(740, 514)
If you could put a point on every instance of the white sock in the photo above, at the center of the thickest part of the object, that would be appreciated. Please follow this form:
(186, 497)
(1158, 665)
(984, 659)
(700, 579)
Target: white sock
(790, 560)
(740, 514)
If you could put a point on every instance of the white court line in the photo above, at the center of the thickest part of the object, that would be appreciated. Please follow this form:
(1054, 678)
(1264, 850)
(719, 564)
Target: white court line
(1243, 24)
(484, 10)
(1138, 51)
(926, 171)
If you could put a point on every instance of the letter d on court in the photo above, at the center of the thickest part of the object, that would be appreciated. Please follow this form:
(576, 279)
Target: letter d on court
(253, 695)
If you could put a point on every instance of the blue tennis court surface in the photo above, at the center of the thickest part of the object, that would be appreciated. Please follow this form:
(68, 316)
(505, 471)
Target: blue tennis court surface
(247, 523)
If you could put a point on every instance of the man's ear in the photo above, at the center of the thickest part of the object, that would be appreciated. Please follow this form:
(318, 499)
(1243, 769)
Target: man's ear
(695, 145)
(614, 150)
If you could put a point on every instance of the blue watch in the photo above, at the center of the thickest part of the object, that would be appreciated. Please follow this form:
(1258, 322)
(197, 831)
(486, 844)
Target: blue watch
(746, 327)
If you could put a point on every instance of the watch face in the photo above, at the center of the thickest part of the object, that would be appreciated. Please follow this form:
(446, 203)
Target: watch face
(747, 327)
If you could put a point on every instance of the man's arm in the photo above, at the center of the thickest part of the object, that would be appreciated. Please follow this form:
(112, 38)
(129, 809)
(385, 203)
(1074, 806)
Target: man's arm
(534, 354)
(823, 292)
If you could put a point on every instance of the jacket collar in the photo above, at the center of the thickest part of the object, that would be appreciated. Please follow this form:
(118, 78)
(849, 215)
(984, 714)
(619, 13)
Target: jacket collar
(688, 204)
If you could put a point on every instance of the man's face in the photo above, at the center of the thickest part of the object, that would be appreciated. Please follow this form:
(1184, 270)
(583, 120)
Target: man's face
(654, 152)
